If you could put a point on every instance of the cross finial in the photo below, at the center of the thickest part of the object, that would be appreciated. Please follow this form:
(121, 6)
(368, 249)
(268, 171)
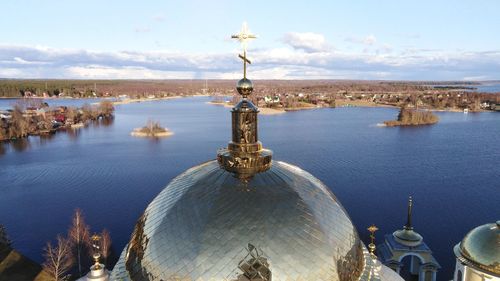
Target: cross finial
(244, 37)
(408, 225)
(95, 244)
(371, 247)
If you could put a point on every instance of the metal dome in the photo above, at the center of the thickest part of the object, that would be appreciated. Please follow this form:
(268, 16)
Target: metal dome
(244, 217)
(408, 237)
(201, 225)
(480, 248)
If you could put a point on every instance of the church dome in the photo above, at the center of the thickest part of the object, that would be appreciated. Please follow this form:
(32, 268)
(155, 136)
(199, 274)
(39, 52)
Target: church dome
(408, 237)
(244, 217)
(201, 226)
(480, 248)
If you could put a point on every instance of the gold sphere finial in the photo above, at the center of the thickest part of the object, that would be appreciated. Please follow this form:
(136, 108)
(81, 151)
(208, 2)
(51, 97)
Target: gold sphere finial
(244, 87)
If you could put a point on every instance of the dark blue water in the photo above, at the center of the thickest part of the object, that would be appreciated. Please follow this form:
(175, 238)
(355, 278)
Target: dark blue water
(451, 169)
(8, 103)
(488, 88)
(483, 88)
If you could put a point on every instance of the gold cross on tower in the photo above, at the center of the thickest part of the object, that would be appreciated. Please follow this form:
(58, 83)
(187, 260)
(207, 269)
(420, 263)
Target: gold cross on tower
(244, 37)
(371, 247)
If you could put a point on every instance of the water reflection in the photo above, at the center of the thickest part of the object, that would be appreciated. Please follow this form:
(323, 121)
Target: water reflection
(2, 148)
(20, 145)
(45, 138)
(154, 141)
(105, 122)
(73, 133)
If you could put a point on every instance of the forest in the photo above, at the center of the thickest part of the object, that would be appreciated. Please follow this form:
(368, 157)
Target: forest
(412, 117)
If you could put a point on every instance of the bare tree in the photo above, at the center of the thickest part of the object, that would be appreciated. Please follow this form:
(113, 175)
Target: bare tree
(58, 260)
(79, 236)
(105, 245)
(71, 114)
(88, 112)
(106, 108)
(19, 127)
(4, 238)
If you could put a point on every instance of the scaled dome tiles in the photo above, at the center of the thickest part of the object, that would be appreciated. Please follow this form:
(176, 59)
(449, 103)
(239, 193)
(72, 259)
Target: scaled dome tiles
(201, 226)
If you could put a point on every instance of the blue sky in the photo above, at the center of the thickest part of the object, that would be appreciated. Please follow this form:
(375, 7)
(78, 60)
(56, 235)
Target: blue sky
(400, 40)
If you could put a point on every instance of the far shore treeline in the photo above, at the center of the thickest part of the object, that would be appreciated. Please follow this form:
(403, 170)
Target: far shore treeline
(15, 88)
(92, 88)
(278, 94)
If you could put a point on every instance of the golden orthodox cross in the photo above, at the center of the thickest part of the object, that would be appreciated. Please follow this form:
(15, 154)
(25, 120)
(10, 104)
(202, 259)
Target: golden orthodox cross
(244, 36)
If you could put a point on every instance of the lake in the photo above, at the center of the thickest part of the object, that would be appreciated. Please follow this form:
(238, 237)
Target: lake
(451, 169)
(484, 87)
(8, 103)
(488, 88)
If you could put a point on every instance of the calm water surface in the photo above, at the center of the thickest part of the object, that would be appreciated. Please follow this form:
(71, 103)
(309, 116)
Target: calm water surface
(489, 88)
(483, 87)
(8, 103)
(451, 169)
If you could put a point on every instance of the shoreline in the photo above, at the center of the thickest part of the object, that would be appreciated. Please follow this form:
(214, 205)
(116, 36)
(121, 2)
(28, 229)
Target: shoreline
(44, 98)
(262, 110)
(137, 133)
(358, 103)
(129, 100)
(362, 104)
(270, 111)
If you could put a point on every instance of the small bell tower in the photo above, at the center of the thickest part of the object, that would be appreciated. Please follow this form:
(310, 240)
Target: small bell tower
(407, 242)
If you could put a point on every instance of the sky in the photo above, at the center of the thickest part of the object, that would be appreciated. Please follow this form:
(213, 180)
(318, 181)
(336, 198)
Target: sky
(190, 39)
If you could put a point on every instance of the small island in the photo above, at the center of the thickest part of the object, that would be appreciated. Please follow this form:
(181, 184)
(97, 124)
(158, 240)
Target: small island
(413, 117)
(152, 130)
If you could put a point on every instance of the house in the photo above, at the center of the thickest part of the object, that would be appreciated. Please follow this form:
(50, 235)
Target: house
(269, 99)
(59, 117)
(485, 105)
(5, 115)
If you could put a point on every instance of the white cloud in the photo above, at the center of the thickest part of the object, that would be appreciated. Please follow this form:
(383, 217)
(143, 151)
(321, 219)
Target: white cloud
(11, 72)
(274, 63)
(368, 40)
(105, 72)
(309, 42)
